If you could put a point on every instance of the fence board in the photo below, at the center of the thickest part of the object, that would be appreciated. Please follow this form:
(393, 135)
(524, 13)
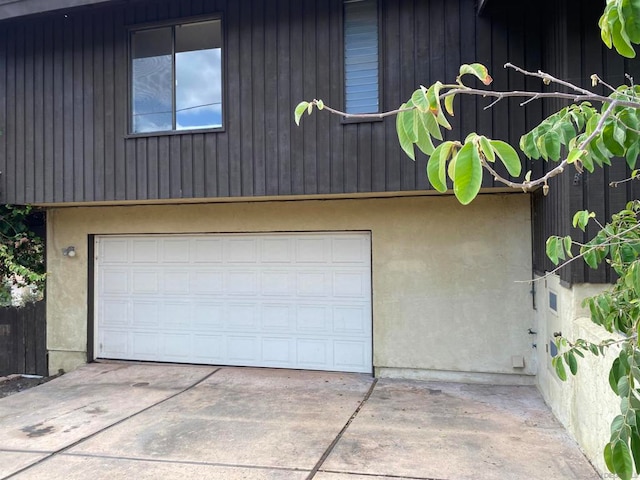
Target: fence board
(23, 344)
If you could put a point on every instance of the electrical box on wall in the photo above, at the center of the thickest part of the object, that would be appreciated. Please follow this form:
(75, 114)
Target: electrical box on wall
(517, 361)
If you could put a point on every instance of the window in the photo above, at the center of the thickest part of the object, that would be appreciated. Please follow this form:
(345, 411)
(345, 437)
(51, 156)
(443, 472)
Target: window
(176, 77)
(361, 56)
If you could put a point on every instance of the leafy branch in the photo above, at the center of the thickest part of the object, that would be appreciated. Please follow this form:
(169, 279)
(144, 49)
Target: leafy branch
(590, 136)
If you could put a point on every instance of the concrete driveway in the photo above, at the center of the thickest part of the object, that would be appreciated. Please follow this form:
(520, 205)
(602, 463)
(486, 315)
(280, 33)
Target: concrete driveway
(112, 421)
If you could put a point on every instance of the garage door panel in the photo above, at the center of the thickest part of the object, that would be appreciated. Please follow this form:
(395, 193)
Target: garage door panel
(278, 351)
(241, 283)
(176, 315)
(276, 318)
(207, 282)
(114, 281)
(114, 312)
(242, 316)
(144, 281)
(278, 300)
(241, 250)
(144, 251)
(175, 250)
(145, 345)
(208, 316)
(146, 314)
(114, 252)
(208, 250)
(209, 348)
(276, 250)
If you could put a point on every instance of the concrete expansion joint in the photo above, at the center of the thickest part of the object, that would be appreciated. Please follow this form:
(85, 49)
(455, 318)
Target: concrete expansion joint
(335, 441)
(70, 446)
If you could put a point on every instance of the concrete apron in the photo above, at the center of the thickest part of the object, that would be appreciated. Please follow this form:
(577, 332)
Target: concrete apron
(107, 421)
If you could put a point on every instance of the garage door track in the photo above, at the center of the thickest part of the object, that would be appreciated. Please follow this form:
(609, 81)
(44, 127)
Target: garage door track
(111, 421)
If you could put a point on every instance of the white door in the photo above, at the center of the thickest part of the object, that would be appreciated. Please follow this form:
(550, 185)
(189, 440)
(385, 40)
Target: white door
(294, 300)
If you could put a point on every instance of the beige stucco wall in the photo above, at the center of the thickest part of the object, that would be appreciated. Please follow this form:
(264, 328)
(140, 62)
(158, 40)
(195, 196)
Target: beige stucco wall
(445, 299)
(584, 404)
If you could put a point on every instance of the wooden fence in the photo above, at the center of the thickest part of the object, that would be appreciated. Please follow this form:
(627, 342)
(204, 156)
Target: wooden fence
(23, 340)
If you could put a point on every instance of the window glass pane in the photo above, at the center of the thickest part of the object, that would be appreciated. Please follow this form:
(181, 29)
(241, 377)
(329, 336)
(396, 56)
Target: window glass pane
(151, 66)
(199, 75)
(361, 56)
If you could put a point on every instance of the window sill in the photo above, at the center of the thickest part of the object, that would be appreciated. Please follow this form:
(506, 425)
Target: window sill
(347, 121)
(169, 133)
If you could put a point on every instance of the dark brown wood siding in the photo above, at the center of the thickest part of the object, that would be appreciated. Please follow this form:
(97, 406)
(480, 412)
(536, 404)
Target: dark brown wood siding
(64, 108)
(575, 52)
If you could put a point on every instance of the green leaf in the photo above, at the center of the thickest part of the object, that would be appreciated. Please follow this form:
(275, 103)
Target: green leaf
(559, 367)
(299, 111)
(632, 154)
(436, 169)
(631, 14)
(478, 70)
(432, 125)
(423, 142)
(623, 386)
(621, 40)
(320, 104)
(487, 149)
(528, 146)
(635, 448)
(467, 174)
(448, 104)
(508, 155)
(615, 373)
(570, 358)
(621, 459)
(608, 457)
(567, 242)
(552, 145)
(419, 99)
(406, 143)
(581, 219)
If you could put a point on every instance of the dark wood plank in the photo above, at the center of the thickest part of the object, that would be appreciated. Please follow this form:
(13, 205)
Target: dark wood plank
(121, 110)
(153, 168)
(246, 104)
(68, 104)
(211, 165)
(29, 114)
(257, 85)
(324, 12)
(109, 120)
(185, 159)
(19, 167)
(3, 112)
(233, 170)
(336, 91)
(98, 108)
(198, 162)
(284, 98)
(77, 152)
(270, 112)
(309, 91)
(392, 97)
(88, 153)
(297, 91)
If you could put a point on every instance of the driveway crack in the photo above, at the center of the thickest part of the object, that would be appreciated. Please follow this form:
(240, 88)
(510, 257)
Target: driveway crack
(335, 441)
(77, 442)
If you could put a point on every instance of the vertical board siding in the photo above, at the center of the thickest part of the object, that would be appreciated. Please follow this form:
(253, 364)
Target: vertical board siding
(64, 108)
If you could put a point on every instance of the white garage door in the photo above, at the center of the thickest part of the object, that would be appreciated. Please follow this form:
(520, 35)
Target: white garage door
(272, 300)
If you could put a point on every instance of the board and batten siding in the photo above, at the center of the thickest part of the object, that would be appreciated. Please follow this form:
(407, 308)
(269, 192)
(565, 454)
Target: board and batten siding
(64, 108)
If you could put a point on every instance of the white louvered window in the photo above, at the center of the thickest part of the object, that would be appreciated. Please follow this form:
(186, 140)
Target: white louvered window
(361, 58)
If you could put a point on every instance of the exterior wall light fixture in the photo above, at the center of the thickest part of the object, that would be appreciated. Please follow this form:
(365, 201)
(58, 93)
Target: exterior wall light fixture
(69, 251)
